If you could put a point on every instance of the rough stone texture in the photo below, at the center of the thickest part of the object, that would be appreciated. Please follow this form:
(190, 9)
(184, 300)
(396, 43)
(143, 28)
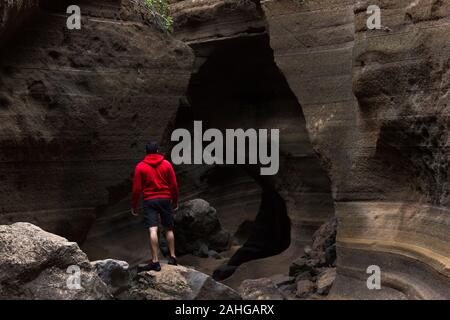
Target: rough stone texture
(375, 104)
(34, 264)
(114, 273)
(376, 108)
(325, 280)
(282, 280)
(215, 19)
(76, 109)
(13, 10)
(235, 72)
(177, 283)
(260, 289)
(198, 229)
(304, 288)
(323, 248)
(314, 271)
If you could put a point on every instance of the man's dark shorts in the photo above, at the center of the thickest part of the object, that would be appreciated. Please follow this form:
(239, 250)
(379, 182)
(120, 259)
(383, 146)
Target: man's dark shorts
(158, 211)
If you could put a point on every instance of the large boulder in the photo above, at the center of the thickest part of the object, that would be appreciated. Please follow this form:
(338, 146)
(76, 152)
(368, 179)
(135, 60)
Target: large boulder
(35, 264)
(177, 283)
(198, 229)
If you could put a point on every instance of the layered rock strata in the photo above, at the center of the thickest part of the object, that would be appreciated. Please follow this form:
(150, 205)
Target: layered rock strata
(235, 72)
(77, 107)
(376, 108)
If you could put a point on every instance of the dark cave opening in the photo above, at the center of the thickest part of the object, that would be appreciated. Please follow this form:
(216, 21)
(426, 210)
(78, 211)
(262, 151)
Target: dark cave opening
(238, 85)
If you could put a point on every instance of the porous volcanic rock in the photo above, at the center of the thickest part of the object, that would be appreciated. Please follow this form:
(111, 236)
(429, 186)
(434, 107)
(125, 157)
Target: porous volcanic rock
(77, 108)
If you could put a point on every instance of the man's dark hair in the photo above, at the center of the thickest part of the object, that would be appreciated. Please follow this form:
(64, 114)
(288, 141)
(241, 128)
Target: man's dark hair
(152, 147)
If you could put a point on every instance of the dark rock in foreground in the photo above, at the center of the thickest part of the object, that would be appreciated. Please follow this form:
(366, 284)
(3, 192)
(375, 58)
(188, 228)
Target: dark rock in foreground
(177, 283)
(35, 264)
(38, 265)
(198, 229)
(114, 273)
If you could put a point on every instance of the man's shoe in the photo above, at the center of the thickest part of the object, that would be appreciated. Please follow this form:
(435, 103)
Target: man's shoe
(155, 266)
(152, 266)
(172, 261)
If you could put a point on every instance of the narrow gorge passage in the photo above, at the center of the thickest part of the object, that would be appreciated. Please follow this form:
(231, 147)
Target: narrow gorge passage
(238, 85)
(364, 119)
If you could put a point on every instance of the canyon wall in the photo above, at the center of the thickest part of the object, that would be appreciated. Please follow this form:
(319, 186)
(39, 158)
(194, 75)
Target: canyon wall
(236, 84)
(77, 107)
(375, 104)
(376, 108)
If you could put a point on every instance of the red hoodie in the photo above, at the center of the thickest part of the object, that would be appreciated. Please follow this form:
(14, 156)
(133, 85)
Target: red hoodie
(155, 178)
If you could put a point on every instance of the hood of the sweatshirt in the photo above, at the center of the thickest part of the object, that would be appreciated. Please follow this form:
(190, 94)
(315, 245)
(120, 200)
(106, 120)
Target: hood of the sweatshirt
(154, 159)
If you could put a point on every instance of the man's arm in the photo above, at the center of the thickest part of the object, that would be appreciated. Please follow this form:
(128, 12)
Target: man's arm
(173, 185)
(137, 188)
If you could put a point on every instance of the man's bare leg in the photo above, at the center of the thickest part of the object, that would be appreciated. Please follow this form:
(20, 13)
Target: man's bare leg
(171, 242)
(154, 243)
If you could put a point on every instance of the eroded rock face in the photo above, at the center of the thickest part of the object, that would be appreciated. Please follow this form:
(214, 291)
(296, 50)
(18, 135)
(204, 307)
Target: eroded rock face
(34, 266)
(375, 104)
(235, 71)
(211, 19)
(77, 107)
(376, 108)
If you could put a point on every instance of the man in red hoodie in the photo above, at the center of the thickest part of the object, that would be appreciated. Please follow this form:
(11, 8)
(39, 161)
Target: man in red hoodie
(155, 179)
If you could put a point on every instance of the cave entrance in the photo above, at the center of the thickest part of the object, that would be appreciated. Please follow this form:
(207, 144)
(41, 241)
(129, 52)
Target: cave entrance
(238, 85)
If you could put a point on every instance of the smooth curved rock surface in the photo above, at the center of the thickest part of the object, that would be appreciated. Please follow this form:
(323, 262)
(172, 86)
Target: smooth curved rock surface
(235, 71)
(376, 108)
(38, 265)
